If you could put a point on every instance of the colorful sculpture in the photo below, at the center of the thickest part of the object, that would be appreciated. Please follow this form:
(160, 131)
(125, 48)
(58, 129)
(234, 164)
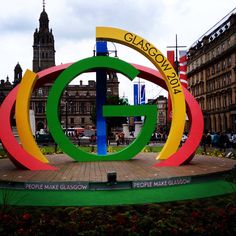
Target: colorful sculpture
(29, 156)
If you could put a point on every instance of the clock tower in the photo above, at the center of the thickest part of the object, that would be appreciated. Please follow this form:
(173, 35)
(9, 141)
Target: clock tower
(43, 46)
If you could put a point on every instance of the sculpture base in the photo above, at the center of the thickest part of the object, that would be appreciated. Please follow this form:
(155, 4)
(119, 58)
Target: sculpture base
(135, 182)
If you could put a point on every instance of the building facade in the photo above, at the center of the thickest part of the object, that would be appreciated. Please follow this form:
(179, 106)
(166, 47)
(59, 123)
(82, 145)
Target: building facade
(212, 74)
(162, 112)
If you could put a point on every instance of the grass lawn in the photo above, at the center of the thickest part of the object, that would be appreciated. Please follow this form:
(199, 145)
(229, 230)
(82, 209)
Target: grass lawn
(47, 150)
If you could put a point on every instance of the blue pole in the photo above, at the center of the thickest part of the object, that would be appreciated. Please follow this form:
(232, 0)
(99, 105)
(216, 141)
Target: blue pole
(101, 91)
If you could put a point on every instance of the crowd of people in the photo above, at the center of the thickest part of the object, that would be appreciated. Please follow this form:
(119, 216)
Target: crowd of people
(219, 140)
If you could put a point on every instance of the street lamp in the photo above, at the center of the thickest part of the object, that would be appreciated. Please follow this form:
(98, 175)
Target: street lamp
(66, 94)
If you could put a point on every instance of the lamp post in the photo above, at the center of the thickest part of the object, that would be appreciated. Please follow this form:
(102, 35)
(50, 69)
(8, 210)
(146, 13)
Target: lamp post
(66, 94)
(176, 46)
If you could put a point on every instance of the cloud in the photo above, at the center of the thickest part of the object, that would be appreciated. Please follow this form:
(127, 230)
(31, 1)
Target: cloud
(73, 23)
(16, 24)
(136, 16)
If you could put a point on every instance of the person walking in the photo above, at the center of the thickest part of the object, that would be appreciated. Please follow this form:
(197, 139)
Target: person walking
(223, 141)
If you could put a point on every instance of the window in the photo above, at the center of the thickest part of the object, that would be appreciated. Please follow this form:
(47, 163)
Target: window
(202, 87)
(224, 80)
(224, 64)
(197, 77)
(209, 104)
(40, 92)
(229, 61)
(40, 108)
(213, 85)
(213, 70)
(203, 59)
(82, 108)
(201, 77)
(208, 72)
(213, 53)
(72, 120)
(82, 120)
(218, 67)
(224, 101)
(230, 98)
(91, 109)
(229, 77)
(223, 46)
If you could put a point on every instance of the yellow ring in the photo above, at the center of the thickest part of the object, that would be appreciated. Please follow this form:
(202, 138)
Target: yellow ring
(22, 116)
(167, 71)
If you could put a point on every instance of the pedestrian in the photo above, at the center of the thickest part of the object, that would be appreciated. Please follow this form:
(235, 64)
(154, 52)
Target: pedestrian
(223, 141)
(117, 139)
(204, 142)
(208, 139)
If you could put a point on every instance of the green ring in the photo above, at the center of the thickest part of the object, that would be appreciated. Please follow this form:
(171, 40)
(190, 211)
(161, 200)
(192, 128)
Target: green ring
(92, 63)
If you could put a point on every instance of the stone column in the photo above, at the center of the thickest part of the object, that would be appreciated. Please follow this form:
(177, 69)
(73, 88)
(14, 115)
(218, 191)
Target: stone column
(126, 130)
(137, 127)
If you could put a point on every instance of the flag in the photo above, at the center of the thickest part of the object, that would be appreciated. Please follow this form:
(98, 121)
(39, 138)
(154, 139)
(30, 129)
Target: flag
(171, 57)
(142, 94)
(183, 68)
(136, 93)
(139, 96)
(182, 73)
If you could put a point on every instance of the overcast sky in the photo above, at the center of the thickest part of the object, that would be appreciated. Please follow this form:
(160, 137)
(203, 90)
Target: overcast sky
(74, 21)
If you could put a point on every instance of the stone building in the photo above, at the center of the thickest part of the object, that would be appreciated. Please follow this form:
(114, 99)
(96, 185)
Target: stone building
(7, 86)
(212, 74)
(162, 103)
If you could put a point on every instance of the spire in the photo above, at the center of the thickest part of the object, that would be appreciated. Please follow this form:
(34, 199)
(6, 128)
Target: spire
(43, 20)
(7, 83)
(44, 5)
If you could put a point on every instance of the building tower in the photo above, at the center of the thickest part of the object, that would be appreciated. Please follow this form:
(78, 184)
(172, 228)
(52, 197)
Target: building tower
(17, 74)
(43, 46)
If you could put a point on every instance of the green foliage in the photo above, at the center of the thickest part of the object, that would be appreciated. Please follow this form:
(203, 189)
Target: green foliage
(110, 149)
(47, 150)
(3, 154)
(146, 149)
(214, 152)
(152, 149)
